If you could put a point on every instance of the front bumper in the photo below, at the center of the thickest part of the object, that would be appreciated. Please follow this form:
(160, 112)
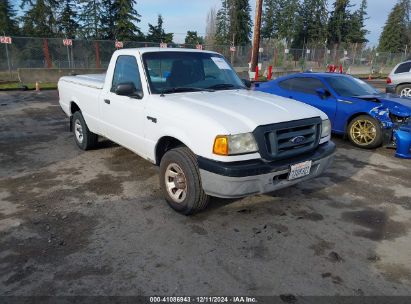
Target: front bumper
(390, 89)
(239, 179)
(403, 140)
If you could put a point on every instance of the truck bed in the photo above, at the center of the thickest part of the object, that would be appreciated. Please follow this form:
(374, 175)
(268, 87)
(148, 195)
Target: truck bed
(89, 80)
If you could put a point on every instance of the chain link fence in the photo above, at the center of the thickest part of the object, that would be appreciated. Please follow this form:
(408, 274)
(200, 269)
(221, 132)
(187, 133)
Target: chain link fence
(26, 52)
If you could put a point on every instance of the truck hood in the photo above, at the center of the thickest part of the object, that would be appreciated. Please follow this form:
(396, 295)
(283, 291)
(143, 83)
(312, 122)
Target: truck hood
(247, 109)
(400, 106)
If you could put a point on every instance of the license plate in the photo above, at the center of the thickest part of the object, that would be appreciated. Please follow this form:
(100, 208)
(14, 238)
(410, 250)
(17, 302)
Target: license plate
(300, 170)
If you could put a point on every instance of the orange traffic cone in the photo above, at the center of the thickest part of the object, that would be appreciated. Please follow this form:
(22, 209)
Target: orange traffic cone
(37, 87)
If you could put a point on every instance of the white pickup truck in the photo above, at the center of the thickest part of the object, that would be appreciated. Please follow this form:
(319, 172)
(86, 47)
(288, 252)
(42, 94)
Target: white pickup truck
(188, 112)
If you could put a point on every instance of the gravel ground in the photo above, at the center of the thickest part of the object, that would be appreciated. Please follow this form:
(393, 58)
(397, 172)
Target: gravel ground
(95, 223)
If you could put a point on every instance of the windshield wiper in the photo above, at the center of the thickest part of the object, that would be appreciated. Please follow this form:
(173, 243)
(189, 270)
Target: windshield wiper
(221, 86)
(185, 89)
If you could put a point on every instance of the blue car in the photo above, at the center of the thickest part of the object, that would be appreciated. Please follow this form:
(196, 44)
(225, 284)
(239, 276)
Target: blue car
(356, 109)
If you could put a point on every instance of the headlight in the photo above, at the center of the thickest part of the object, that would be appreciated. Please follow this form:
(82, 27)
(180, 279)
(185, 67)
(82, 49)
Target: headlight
(325, 128)
(235, 144)
(398, 119)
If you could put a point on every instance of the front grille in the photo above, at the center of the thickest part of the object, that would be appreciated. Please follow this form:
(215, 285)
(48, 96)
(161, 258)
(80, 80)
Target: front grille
(288, 139)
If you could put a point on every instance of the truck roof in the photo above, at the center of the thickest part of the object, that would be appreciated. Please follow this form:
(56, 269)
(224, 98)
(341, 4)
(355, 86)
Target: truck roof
(158, 49)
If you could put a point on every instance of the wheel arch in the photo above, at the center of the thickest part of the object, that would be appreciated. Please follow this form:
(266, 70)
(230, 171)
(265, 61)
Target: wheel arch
(401, 84)
(353, 116)
(74, 107)
(164, 144)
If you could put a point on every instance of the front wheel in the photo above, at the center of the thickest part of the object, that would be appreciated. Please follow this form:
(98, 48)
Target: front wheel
(181, 183)
(365, 132)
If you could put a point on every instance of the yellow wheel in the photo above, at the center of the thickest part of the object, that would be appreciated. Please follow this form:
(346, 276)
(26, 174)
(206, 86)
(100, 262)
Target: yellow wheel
(365, 132)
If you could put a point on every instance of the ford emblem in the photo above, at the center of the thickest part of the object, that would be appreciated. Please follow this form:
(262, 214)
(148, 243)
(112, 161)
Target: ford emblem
(297, 139)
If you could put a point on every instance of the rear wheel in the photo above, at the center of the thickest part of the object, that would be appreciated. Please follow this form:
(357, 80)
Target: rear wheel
(365, 132)
(181, 183)
(404, 90)
(83, 137)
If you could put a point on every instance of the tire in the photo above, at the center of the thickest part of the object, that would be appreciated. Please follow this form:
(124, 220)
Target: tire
(84, 139)
(179, 168)
(404, 90)
(365, 132)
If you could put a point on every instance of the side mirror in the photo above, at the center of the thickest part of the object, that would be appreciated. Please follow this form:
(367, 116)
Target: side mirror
(323, 93)
(247, 83)
(128, 89)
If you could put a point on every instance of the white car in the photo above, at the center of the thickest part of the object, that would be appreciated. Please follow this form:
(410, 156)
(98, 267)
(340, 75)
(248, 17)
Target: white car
(399, 80)
(189, 113)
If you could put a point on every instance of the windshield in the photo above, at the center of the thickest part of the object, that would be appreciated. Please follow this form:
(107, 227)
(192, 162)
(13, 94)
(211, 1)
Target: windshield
(173, 72)
(350, 86)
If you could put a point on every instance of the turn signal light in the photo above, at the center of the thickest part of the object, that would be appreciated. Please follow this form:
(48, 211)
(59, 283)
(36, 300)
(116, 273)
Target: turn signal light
(221, 145)
(389, 80)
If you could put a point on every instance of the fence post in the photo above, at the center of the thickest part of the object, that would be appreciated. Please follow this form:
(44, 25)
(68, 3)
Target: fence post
(97, 46)
(73, 63)
(7, 55)
(68, 56)
(8, 59)
(46, 53)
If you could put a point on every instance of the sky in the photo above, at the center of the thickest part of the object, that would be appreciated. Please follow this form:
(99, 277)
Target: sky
(182, 15)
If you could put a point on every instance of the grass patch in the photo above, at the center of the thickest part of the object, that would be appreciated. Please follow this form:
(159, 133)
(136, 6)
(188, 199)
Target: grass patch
(30, 86)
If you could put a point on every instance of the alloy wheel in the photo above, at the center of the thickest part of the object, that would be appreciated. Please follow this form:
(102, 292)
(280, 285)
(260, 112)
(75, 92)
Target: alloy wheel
(176, 183)
(406, 92)
(78, 131)
(363, 132)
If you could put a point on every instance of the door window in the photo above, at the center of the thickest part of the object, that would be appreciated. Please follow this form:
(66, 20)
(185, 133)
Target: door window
(305, 85)
(403, 68)
(126, 70)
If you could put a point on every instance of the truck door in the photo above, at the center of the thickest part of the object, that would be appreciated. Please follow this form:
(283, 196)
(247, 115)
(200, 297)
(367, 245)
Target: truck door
(122, 115)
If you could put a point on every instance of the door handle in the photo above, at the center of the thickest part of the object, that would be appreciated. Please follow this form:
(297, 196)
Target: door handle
(153, 119)
(107, 101)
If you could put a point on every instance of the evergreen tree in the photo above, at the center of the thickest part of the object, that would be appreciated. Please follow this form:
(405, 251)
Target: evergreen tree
(395, 36)
(233, 22)
(240, 23)
(223, 24)
(287, 19)
(340, 23)
(68, 24)
(357, 30)
(269, 27)
(280, 19)
(157, 34)
(108, 19)
(311, 24)
(192, 38)
(40, 20)
(91, 18)
(125, 18)
(8, 23)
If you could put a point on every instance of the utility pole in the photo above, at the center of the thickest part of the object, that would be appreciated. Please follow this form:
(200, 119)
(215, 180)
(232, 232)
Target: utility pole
(232, 53)
(256, 39)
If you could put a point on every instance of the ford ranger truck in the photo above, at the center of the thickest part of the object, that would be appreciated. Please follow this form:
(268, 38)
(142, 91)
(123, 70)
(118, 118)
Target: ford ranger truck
(188, 112)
